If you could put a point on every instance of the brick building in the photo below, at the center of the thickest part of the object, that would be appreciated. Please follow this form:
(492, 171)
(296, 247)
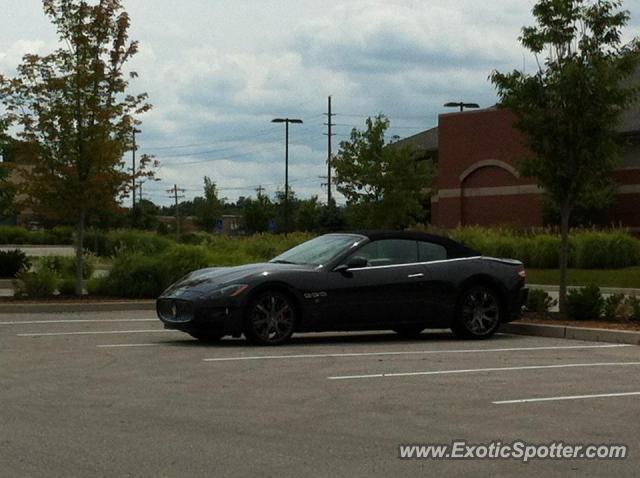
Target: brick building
(477, 182)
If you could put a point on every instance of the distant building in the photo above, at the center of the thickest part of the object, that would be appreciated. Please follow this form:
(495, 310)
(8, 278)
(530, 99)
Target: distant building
(477, 182)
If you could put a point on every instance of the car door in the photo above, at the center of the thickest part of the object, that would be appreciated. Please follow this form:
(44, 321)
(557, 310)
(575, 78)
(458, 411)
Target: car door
(439, 295)
(388, 290)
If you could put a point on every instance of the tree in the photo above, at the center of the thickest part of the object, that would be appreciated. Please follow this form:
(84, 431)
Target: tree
(569, 109)
(74, 106)
(383, 183)
(7, 189)
(209, 208)
(309, 211)
(257, 213)
(145, 215)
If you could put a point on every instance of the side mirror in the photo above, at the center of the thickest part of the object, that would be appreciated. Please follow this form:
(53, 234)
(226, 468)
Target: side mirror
(355, 262)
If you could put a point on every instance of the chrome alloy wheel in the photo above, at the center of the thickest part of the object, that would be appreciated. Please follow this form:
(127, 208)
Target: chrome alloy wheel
(480, 312)
(272, 318)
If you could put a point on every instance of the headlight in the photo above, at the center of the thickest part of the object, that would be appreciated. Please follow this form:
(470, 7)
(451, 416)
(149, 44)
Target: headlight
(232, 290)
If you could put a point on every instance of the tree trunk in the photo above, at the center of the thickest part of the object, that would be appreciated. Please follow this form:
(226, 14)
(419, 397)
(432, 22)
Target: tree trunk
(80, 253)
(565, 214)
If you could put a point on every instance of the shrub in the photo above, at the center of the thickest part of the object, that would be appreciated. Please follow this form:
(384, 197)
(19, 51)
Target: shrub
(13, 262)
(67, 286)
(39, 284)
(65, 267)
(633, 304)
(585, 303)
(126, 241)
(613, 306)
(544, 253)
(602, 250)
(13, 235)
(539, 301)
(138, 275)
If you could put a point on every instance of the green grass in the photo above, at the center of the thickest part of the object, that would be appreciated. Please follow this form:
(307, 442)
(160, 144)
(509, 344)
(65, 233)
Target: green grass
(627, 278)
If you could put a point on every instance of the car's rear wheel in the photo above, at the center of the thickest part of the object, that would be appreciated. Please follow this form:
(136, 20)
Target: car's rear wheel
(206, 335)
(409, 331)
(478, 313)
(271, 318)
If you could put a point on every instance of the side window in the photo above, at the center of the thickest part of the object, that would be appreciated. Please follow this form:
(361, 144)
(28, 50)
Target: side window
(388, 252)
(428, 251)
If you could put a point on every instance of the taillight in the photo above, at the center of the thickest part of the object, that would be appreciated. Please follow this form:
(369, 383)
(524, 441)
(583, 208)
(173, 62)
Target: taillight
(522, 273)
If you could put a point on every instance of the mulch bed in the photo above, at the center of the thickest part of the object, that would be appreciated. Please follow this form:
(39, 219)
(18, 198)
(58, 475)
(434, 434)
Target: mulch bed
(554, 319)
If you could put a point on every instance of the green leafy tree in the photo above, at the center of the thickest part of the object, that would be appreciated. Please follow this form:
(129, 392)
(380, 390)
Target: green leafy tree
(145, 215)
(569, 108)
(74, 105)
(383, 183)
(309, 212)
(7, 189)
(209, 208)
(257, 213)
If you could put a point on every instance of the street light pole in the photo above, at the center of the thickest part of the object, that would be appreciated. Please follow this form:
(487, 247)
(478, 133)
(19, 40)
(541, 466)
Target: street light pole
(286, 121)
(133, 169)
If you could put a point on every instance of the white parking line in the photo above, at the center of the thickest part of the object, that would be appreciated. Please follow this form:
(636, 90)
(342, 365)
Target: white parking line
(413, 352)
(482, 370)
(569, 397)
(70, 321)
(42, 334)
(112, 346)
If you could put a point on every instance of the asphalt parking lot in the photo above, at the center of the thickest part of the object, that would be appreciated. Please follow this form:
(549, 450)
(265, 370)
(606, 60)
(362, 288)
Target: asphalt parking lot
(113, 394)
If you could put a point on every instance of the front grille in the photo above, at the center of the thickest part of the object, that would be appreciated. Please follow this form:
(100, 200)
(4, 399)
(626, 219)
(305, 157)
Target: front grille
(171, 310)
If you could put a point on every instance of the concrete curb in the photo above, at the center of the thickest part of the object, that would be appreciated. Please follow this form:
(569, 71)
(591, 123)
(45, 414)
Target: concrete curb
(59, 307)
(574, 333)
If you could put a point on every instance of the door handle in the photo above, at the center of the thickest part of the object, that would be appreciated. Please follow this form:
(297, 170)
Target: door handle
(415, 276)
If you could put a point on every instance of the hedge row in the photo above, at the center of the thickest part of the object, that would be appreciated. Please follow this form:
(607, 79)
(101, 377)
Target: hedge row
(137, 273)
(588, 249)
(20, 235)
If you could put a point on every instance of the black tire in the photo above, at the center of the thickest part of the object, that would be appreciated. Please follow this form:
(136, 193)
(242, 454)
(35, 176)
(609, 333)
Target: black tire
(270, 318)
(206, 335)
(409, 331)
(478, 313)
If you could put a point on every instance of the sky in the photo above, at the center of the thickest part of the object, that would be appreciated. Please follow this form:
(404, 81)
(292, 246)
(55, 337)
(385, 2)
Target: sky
(218, 71)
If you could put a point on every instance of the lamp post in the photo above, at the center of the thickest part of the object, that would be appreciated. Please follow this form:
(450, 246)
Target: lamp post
(461, 105)
(286, 121)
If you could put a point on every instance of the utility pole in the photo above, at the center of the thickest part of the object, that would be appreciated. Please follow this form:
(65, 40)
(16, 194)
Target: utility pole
(175, 190)
(259, 191)
(329, 134)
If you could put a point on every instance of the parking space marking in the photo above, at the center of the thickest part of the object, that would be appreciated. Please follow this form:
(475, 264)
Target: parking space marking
(483, 370)
(569, 397)
(73, 321)
(413, 352)
(101, 332)
(112, 346)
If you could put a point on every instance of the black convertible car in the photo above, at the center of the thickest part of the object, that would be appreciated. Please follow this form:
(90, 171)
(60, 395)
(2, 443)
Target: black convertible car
(403, 281)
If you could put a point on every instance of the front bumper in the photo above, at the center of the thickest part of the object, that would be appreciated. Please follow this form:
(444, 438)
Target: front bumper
(221, 316)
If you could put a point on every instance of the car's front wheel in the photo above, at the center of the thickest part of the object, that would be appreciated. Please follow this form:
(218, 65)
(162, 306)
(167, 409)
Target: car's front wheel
(270, 318)
(478, 313)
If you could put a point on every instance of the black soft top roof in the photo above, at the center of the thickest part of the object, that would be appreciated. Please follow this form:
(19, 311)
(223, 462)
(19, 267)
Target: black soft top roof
(454, 248)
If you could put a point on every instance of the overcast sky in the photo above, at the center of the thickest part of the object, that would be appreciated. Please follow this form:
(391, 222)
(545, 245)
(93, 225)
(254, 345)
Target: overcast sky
(217, 72)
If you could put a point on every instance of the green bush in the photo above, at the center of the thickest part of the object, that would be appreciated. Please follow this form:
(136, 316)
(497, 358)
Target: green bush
(119, 241)
(138, 275)
(605, 250)
(633, 305)
(39, 284)
(539, 301)
(13, 235)
(545, 252)
(585, 303)
(13, 262)
(613, 306)
(67, 286)
(65, 267)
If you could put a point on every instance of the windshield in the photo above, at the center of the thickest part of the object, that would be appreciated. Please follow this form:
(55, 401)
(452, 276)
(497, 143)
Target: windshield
(318, 251)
